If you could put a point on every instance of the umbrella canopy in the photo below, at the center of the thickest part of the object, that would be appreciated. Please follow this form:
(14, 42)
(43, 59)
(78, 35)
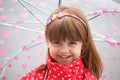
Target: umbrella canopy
(22, 42)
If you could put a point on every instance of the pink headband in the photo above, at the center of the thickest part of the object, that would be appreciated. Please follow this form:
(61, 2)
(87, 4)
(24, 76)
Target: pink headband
(61, 15)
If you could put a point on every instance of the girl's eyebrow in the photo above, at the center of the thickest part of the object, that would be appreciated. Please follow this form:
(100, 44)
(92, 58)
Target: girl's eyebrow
(72, 40)
(55, 41)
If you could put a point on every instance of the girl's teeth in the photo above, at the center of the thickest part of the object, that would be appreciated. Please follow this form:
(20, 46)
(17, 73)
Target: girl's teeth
(64, 56)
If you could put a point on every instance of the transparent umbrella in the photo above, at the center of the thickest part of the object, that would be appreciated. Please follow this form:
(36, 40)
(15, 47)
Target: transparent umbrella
(22, 43)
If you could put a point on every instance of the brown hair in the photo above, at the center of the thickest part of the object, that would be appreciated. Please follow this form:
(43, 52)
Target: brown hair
(73, 29)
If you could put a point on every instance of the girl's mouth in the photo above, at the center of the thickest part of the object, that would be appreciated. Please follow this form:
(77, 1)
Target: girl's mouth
(64, 59)
(64, 56)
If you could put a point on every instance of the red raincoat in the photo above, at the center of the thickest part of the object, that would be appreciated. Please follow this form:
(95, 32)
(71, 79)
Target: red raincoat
(55, 71)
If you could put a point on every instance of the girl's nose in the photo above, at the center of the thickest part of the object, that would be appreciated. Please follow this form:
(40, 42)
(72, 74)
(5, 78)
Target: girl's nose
(64, 49)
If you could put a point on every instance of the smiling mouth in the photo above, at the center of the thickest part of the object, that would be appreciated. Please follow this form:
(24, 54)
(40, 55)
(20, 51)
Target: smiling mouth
(64, 56)
(64, 59)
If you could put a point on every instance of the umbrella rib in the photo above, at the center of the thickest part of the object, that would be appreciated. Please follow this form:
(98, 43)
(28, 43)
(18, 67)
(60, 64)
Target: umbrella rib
(30, 12)
(94, 17)
(3, 71)
(35, 7)
(22, 28)
(5, 64)
(59, 3)
(101, 40)
(100, 13)
(104, 39)
(15, 54)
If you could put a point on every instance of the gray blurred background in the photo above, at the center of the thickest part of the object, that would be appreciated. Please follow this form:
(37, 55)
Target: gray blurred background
(22, 43)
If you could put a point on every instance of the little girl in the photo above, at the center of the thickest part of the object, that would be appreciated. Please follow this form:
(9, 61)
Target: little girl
(72, 54)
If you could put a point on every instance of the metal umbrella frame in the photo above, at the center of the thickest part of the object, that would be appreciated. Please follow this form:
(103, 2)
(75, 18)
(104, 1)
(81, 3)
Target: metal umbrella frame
(33, 44)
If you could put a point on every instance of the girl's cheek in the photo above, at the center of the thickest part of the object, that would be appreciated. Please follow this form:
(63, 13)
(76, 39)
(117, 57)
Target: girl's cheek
(53, 50)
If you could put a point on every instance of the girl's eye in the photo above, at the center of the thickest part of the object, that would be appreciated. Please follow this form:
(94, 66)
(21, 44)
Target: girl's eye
(56, 42)
(73, 42)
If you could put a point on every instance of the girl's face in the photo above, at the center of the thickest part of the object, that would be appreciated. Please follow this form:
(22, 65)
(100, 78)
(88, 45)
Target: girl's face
(66, 51)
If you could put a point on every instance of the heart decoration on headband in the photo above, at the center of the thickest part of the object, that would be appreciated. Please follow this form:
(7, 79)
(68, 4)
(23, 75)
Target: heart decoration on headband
(61, 15)
(54, 17)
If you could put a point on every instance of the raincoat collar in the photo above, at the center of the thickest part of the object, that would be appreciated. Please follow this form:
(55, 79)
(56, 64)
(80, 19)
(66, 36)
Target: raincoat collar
(74, 70)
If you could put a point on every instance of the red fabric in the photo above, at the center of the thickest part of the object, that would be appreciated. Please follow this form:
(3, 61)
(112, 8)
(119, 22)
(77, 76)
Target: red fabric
(72, 71)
